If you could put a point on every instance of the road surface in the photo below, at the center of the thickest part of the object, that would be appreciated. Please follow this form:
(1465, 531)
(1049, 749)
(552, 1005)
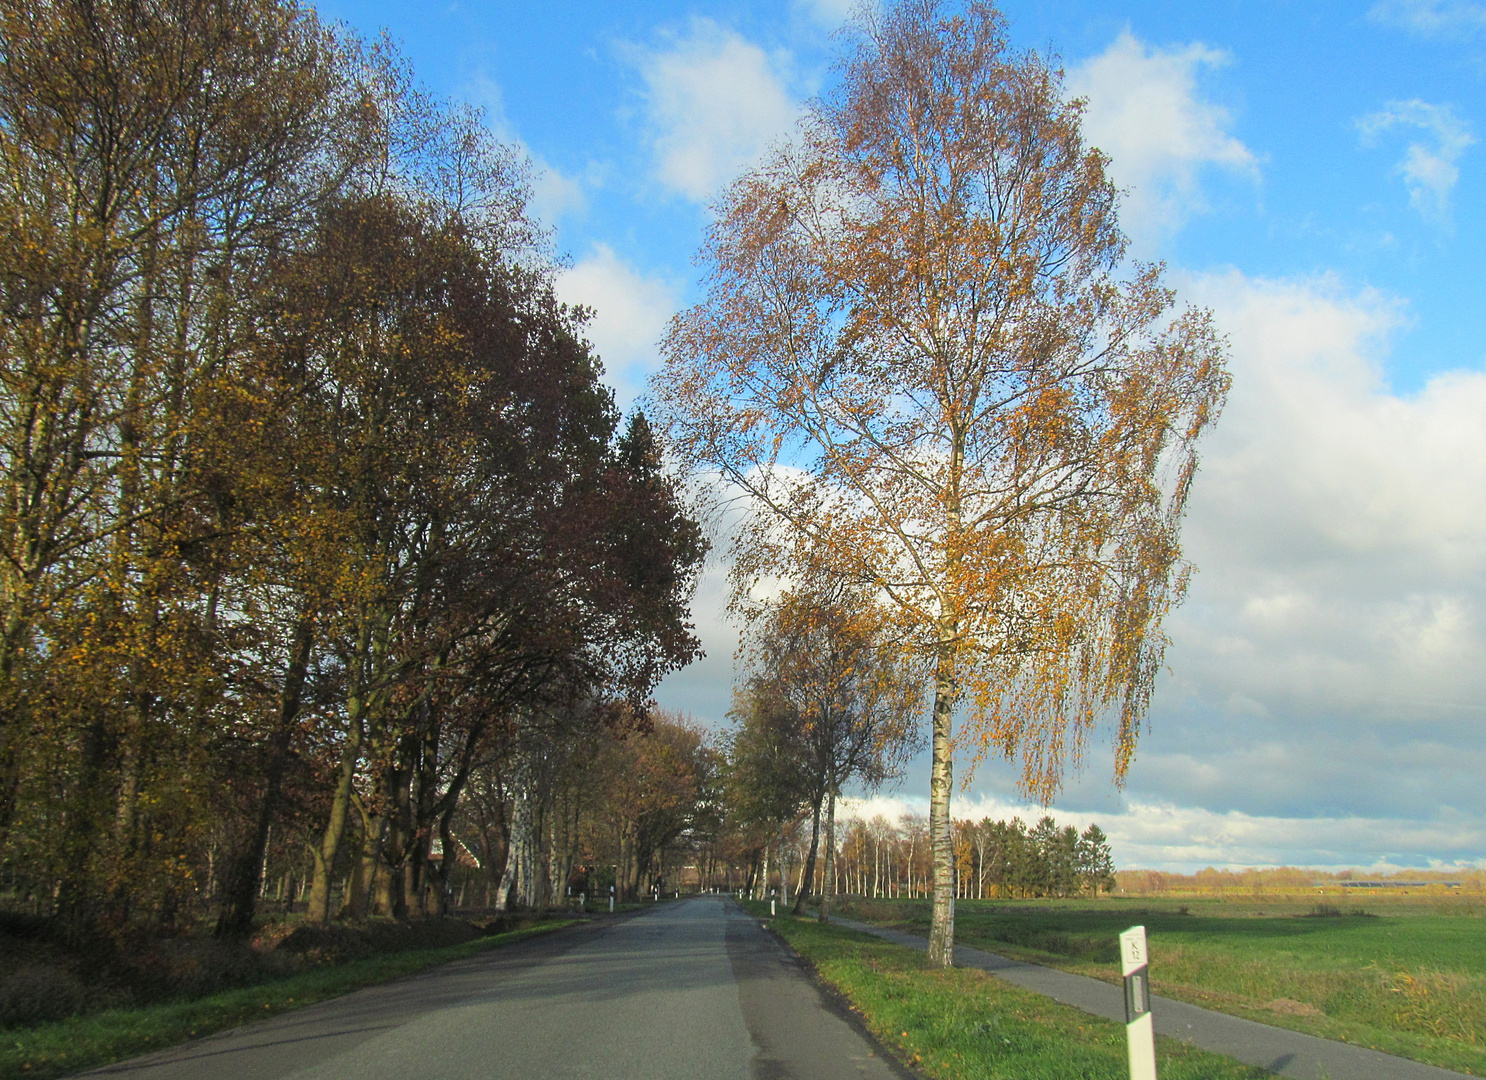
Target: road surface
(685, 991)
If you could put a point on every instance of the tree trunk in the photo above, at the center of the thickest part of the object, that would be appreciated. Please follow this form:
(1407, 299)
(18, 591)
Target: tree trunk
(371, 647)
(784, 852)
(533, 865)
(335, 828)
(941, 842)
(240, 903)
(355, 904)
(507, 878)
(397, 851)
(807, 875)
(386, 884)
(830, 874)
(515, 879)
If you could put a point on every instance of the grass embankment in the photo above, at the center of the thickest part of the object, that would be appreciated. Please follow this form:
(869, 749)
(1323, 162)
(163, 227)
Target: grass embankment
(99, 1038)
(1407, 979)
(963, 1024)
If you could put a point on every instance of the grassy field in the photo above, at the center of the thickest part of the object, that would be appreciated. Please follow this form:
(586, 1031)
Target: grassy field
(1405, 975)
(963, 1024)
(99, 1038)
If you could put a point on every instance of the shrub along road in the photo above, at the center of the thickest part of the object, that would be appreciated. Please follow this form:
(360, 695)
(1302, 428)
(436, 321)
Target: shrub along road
(682, 991)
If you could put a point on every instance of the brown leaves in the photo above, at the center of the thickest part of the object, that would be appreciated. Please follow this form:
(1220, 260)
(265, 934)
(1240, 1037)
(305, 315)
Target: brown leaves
(280, 349)
(843, 698)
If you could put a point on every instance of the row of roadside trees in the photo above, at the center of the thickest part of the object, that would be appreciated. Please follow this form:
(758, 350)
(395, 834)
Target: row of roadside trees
(323, 548)
(325, 555)
(879, 858)
(993, 860)
(830, 702)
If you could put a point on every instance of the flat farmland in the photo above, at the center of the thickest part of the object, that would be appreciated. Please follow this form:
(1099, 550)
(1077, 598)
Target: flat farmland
(1401, 974)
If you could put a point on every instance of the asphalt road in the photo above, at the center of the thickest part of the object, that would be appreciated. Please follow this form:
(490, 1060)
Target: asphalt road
(687, 990)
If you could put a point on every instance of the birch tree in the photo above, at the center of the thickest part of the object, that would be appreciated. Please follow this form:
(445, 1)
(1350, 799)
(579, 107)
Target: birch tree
(927, 364)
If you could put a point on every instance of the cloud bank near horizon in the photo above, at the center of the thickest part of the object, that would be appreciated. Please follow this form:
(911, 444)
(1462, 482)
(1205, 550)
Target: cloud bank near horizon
(1178, 839)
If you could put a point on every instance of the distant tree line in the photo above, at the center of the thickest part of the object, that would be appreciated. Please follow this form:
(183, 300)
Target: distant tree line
(1282, 880)
(993, 859)
(326, 562)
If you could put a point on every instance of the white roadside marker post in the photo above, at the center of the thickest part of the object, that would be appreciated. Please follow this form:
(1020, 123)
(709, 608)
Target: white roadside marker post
(1135, 964)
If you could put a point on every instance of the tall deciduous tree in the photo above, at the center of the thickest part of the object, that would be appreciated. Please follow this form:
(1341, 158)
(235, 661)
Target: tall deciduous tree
(768, 777)
(831, 685)
(653, 785)
(925, 359)
(150, 154)
(310, 488)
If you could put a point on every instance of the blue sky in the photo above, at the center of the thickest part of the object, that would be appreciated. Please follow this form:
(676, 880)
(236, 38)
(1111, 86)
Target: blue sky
(1314, 173)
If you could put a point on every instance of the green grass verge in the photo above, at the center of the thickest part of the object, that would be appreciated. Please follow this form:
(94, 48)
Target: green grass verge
(593, 907)
(963, 1024)
(85, 1042)
(1409, 981)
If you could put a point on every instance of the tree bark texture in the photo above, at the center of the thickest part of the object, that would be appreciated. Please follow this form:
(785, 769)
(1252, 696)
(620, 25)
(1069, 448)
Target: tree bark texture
(240, 903)
(941, 839)
(829, 885)
(807, 875)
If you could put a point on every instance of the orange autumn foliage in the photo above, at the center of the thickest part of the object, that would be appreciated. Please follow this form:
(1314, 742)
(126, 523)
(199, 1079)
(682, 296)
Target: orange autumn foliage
(926, 363)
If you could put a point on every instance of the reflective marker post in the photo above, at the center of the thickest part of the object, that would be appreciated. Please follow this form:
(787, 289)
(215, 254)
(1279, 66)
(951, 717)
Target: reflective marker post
(1135, 964)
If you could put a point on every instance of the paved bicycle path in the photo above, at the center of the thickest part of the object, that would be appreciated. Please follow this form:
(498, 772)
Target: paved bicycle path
(681, 992)
(1287, 1053)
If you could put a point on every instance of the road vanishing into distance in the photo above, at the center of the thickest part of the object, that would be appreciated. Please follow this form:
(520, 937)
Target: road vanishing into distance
(684, 990)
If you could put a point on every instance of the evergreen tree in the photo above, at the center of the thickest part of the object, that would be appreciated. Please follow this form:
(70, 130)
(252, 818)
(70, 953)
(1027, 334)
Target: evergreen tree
(1062, 859)
(1095, 863)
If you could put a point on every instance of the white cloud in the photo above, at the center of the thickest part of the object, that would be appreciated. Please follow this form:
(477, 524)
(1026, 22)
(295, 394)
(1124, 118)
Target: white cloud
(1432, 18)
(1326, 689)
(704, 688)
(1332, 656)
(630, 314)
(553, 194)
(1429, 171)
(1145, 111)
(714, 101)
(1165, 836)
(1319, 463)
